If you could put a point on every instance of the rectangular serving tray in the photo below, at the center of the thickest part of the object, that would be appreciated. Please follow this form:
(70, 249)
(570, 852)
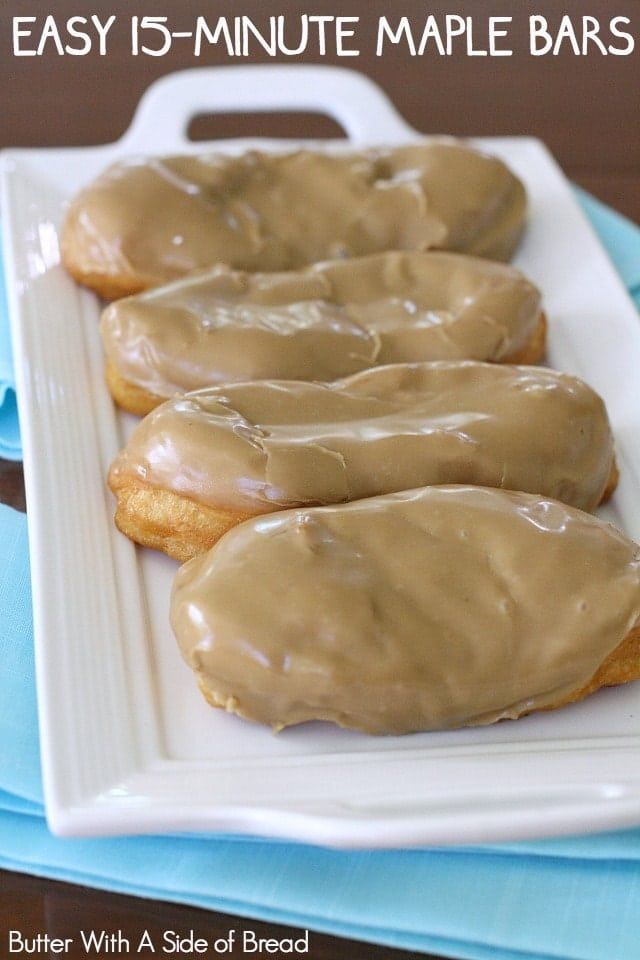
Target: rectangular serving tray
(128, 743)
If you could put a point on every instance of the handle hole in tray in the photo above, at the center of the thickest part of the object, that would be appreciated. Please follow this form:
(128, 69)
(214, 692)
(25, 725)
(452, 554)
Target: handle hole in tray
(298, 125)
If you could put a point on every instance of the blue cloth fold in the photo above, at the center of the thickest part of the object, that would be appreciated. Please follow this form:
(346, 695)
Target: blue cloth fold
(620, 236)
(575, 898)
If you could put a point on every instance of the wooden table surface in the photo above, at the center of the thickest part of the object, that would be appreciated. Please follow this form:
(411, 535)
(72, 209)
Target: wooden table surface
(584, 108)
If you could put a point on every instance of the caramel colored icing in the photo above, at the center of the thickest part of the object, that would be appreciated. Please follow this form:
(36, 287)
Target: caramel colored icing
(320, 323)
(156, 220)
(422, 610)
(255, 447)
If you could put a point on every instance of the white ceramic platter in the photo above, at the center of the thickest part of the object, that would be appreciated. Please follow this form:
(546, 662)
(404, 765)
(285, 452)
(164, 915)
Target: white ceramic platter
(128, 744)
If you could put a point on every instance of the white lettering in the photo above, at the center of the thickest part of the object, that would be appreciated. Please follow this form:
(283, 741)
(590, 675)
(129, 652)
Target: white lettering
(146, 943)
(79, 35)
(590, 31)
(104, 942)
(538, 29)
(203, 31)
(431, 32)
(249, 27)
(322, 22)
(342, 32)
(41, 943)
(174, 943)
(91, 940)
(385, 30)
(253, 944)
(138, 24)
(50, 30)
(18, 50)
(225, 944)
(566, 32)
(102, 29)
(304, 37)
(623, 35)
(495, 33)
(456, 27)
(15, 937)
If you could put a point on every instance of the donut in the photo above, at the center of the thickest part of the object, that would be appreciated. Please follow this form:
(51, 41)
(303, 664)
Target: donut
(200, 464)
(430, 609)
(147, 221)
(320, 323)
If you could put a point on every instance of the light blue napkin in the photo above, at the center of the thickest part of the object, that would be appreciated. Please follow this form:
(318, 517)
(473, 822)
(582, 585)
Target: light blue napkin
(619, 235)
(572, 899)
(576, 898)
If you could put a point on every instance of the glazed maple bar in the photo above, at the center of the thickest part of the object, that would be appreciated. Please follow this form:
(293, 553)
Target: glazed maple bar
(320, 323)
(200, 464)
(425, 610)
(147, 221)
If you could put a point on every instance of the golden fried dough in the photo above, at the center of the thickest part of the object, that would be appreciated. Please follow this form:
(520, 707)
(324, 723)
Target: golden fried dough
(139, 401)
(319, 323)
(430, 609)
(148, 221)
(202, 463)
(182, 528)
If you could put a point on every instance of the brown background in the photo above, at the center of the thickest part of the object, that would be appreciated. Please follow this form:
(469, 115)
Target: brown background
(585, 108)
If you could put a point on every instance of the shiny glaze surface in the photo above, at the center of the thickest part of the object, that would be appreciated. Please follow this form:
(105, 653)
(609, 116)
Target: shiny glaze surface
(154, 220)
(427, 609)
(264, 445)
(320, 323)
